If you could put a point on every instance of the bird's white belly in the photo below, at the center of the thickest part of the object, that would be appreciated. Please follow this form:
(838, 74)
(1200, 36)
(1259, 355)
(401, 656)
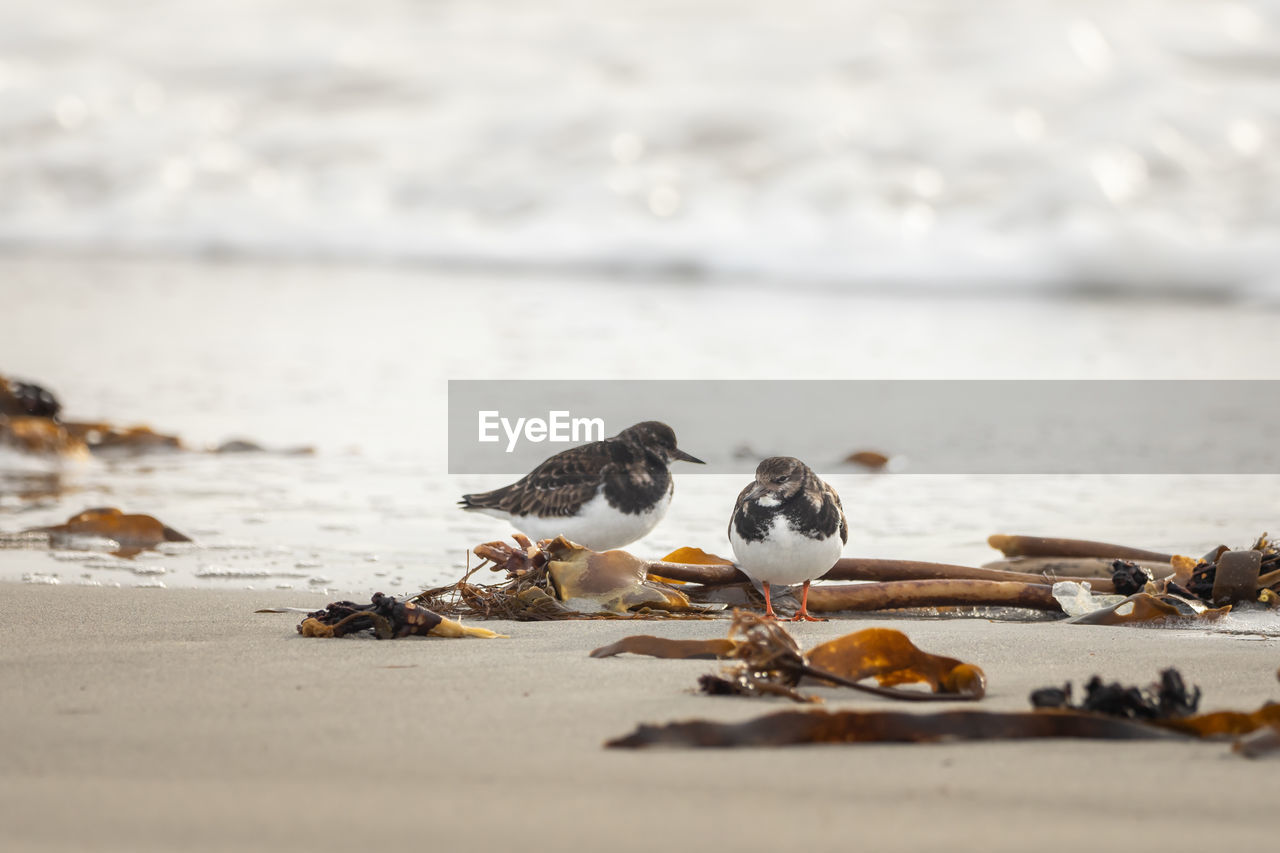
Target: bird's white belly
(785, 556)
(597, 525)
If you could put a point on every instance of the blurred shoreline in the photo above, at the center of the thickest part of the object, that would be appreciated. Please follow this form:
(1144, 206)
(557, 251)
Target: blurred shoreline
(669, 275)
(1082, 144)
(355, 360)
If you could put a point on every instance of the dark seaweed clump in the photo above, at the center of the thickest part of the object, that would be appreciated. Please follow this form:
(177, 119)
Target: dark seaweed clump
(1167, 699)
(385, 615)
(27, 398)
(1129, 578)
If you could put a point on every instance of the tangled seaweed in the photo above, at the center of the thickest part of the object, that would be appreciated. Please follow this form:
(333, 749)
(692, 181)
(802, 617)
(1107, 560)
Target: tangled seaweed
(1225, 575)
(556, 579)
(768, 661)
(387, 617)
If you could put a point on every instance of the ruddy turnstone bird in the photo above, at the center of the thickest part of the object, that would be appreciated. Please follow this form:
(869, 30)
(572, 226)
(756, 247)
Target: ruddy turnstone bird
(787, 527)
(602, 495)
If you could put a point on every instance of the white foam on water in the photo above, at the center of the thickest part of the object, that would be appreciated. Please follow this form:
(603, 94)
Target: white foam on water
(1070, 143)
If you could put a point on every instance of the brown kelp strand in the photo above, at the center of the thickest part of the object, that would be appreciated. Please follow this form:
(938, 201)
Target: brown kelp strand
(769, 661)
(693, 565)
(870, 569)
(1162, 711)
(892, 595)
(387, 618)
(1096, 570)
(791, 728)
(1040, 546)
(661, 647)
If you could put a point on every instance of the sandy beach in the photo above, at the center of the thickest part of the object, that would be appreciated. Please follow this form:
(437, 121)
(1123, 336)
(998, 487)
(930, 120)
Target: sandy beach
(160, 720)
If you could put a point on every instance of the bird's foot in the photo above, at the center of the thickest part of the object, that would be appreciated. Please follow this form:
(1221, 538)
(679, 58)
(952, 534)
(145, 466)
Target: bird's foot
(806, 616)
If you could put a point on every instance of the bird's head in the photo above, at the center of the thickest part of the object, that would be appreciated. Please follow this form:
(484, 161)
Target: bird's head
(781, 476)
(658, 437)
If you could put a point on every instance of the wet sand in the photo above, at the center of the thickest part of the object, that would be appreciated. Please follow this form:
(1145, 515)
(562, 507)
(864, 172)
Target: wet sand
(137, 719)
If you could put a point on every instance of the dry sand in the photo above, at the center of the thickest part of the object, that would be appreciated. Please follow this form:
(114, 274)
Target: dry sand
(181, 720)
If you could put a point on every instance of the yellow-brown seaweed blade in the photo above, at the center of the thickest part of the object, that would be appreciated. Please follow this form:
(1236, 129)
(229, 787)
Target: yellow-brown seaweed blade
(612, 581)
(1145, 609)
(891, 658)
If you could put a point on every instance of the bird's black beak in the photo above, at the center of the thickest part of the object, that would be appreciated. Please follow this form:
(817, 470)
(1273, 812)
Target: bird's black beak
(685, 457)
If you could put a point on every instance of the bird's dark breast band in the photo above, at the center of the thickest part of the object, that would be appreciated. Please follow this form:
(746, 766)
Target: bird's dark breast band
(810, 511)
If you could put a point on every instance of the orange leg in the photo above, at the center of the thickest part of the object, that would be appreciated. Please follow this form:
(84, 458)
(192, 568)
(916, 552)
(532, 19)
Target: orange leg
(768, 605)
(803, 615)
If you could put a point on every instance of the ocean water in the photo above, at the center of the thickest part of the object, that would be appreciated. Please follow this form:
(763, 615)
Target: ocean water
(918, 144)
(353, 362)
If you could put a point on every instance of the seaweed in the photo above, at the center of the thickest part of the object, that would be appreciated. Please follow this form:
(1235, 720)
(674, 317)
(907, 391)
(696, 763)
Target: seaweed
(789, 728)
(693, 565)
(557, 579)
(1165, 699)
(1221, 577)
(133, 440)
(1224, 576)
(1041, 546)
(40, 437)
(27, 399)
(892, 595)
(1158, 608)
(1162, 711)
(1127, 577)
(126, 534)
(872, 460)
(768, 661)
(388, 618)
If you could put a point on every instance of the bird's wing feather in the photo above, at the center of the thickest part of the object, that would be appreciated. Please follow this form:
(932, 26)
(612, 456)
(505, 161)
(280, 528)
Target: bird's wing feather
(844, 521)
(555, 489)
(738, 506)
